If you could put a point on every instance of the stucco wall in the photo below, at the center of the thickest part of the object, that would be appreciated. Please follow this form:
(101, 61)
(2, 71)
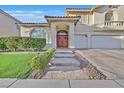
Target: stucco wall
(119, 12)
(8, 26)
(83, 27)
(98, 18)
(25, 31)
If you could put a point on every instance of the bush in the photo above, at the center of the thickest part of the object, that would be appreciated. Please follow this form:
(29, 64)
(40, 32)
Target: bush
(40, 62)
(2, 44)
(22, 43)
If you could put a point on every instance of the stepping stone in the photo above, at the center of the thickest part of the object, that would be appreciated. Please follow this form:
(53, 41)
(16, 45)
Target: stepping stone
(63, 68)
(65, 75)
(64, 51)
(64, 61)
(64, 55)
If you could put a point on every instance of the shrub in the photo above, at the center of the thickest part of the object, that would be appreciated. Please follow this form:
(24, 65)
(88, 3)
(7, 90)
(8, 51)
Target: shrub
(40, 62)
(2, 44)
(22, 43)
(12, 43)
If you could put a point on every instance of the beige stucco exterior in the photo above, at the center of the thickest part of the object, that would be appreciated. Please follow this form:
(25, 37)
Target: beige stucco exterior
(8, 25)
(85, 27)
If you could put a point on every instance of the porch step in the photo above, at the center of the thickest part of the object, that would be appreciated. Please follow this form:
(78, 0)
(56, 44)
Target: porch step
(65, 61)
(67, 64)
(64, 51)
(63, 68)
(64, 55)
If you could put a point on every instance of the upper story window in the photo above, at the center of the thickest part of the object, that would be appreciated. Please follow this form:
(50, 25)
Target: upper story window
(109, 16)
(38, 33)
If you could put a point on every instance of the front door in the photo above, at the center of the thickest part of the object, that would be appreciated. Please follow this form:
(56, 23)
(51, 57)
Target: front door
(62, 41)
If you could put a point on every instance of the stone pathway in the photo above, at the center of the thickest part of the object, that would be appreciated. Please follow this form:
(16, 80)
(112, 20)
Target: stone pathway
(64, 66)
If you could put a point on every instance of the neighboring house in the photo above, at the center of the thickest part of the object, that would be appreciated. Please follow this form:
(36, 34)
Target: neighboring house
(8, 25)
(98, 27)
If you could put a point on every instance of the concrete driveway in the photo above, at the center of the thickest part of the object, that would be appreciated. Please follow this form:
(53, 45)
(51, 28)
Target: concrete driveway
(110, 62)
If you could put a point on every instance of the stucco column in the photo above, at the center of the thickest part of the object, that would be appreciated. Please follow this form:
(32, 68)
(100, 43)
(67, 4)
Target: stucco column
(71, 35)
(53, 35)
(122, 41)
(49, 36)
(89, 41)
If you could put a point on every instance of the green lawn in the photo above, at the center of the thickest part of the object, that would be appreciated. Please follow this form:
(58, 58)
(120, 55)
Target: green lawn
(15, 65)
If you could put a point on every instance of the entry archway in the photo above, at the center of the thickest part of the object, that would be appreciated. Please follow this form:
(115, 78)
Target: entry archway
(62, 39)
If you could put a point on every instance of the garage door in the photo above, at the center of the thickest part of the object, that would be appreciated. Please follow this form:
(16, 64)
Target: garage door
(80, 41)
(106, 42)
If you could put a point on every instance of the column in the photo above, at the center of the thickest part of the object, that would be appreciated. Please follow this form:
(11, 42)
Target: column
(53, 35)
(47, 37)
(122, 41)
(71, 35)
(89, 41)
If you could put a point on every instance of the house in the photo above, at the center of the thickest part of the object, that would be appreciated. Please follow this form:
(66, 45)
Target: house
(98, 27)
(8, 25)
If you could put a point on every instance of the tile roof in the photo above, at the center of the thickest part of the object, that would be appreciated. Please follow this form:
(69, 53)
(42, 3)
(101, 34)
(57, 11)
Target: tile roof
(3, 12)
(62, 16)
(78, 8)
(33, 23)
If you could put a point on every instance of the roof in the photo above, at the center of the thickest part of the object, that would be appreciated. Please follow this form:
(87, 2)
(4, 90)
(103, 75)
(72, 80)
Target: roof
(78, 8)
(98, 7)
(85, 10)
(3, 12)
(34, 24)
(62, 16)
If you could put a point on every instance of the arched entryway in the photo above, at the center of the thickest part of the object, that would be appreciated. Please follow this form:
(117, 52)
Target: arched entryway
(62, 39)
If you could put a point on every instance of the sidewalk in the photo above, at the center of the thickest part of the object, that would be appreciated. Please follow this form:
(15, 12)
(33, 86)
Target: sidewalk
(45, 83)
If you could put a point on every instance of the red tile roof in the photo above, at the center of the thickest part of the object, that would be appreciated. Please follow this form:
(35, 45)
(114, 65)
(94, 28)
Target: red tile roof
(78, 8)
(62, 16)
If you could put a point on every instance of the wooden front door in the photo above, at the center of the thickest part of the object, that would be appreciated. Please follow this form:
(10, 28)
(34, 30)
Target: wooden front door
(62, 41)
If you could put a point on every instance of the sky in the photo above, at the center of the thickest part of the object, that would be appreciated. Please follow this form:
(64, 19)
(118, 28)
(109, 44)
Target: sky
(36, 13)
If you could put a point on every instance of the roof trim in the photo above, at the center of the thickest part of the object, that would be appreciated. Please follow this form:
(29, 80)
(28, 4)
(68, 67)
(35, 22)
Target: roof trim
(90, 10)
(62, 16)
(3, 12)
(33, 23)
(78, 8)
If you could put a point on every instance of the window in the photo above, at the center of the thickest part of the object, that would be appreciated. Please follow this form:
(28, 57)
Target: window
(109, 16)
(38, 33)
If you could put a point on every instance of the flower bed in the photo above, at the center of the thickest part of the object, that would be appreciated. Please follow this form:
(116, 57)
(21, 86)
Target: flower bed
(40, 63)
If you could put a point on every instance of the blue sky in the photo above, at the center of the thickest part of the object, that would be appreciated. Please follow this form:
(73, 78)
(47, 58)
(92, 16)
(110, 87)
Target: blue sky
(36, 13)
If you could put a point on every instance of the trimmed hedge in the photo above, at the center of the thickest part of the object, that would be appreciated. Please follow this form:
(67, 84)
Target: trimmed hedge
(22, 43)
(41, 61)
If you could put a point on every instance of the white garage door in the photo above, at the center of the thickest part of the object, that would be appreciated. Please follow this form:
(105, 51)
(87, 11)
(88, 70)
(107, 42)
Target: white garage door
(80, 41)
(106, 42)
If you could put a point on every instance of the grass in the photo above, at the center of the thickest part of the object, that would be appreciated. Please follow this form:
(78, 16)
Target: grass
(15, 65)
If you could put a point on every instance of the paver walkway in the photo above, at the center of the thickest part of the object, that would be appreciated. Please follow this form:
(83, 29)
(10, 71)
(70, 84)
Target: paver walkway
(64, 66)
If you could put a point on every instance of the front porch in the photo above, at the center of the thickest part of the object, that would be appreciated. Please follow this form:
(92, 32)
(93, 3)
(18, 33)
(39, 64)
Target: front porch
(62, 30)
